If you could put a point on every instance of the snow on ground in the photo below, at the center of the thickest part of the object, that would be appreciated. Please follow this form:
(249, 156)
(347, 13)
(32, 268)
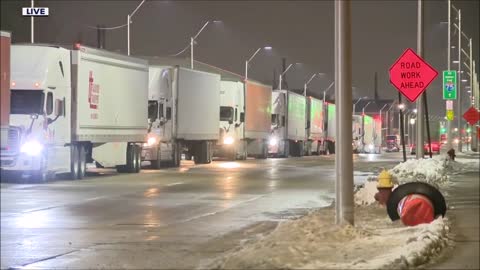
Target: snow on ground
(430, 170)
(315, 242)
(365, 195)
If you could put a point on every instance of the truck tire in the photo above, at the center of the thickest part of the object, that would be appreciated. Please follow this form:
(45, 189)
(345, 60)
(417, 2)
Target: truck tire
(177, 155)
(203, 153)
(131, 160)
(331, 147)
(138, 157)
(74, 166)
(156, 164)
(264, 154)
(82, 164)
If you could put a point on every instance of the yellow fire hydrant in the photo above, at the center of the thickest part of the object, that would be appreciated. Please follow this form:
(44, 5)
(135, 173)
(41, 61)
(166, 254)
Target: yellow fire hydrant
(384, 186)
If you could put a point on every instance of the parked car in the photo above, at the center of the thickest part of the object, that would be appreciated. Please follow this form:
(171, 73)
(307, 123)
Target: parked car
(435, 148)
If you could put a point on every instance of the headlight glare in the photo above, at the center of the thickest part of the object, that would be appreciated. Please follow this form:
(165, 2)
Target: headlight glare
(273, 141)
(151, 141)
(228, 140)
(31, 148)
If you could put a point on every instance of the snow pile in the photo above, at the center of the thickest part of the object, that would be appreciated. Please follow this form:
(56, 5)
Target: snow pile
(365, 195)
(315, 242)
(430, 170)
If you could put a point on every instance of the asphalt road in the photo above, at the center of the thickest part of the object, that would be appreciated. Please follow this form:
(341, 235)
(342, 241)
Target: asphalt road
(172, 218)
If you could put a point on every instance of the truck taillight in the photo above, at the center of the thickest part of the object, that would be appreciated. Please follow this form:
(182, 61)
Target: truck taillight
(77, 46)
(13, 84)
(36, 84)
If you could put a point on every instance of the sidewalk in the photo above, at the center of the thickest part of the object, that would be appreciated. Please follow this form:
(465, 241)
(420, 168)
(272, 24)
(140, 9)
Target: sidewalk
(463, 199)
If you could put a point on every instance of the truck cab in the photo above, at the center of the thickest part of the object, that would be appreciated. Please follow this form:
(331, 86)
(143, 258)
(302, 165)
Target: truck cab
(39, 123)
(231, 127)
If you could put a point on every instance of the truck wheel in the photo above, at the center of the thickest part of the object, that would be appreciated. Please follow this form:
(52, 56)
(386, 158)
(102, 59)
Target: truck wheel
(156, 164)
(203, 153)
(74, 166)
(138, 158)
(331, 147)
(131, 160)
(300, 149)
(177, 156)
(82, 164)
(264, 153)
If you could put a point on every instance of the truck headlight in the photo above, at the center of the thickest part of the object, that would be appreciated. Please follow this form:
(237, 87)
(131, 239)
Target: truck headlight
(151, 141)
(31, 148)
(228, 140)
(371, 146)
(273, 141)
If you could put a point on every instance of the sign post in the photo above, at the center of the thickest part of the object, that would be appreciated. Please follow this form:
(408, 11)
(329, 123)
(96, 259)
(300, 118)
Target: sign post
(449, 85)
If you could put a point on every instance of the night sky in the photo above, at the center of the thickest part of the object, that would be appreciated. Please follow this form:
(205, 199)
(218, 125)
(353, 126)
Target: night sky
(301, 31)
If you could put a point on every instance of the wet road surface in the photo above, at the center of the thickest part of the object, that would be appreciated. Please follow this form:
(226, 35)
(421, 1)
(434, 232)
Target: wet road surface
(172, 218)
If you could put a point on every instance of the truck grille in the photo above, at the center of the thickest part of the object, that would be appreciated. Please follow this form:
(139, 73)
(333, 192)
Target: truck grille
(13, 144)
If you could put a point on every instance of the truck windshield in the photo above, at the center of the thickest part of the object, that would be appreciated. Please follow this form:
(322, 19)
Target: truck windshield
(26, 101)
(226, 113)
(152, 110)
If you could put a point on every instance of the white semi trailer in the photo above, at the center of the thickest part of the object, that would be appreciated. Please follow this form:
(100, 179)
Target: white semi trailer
(70, 107)
(244, 134)
(288, 124)
(183, 115)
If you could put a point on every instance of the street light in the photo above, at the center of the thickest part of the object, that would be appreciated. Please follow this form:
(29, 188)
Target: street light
(129, 17)
(357, 103)
(283, 73)
(251, 58)
(363, 109)
(326, 90)
(306, 84)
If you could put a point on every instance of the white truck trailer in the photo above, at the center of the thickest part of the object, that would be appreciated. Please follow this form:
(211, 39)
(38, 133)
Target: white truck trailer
(315, 125)
(357, 133)
(368, 135)
(4, 87)
(288, 124)
(70, 107)
(183, 115)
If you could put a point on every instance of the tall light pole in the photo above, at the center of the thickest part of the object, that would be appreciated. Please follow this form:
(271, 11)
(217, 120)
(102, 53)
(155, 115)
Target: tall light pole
(305, 85)
(32, 30)
(354, 105)
(449, 59)
(459, 81)
(129, 17)
(326, 90)
(192, 43)
(344, 207)
(251, 58)
(420, 102)
(388, 118)
(281, 76)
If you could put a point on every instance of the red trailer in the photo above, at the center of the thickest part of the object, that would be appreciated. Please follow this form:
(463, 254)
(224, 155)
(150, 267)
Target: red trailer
(5, 87)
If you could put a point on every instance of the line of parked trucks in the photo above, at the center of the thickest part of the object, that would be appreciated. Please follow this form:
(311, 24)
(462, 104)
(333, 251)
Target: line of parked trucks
(65, 107)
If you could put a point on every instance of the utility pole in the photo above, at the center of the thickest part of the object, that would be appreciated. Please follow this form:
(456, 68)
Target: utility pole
(32, 30)
(449, 60)
(343, 95)
(459, 82)
(420, 109)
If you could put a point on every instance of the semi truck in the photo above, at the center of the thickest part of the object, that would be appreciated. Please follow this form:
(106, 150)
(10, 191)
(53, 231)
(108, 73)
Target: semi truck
(72, 106)
(183, 115)
(245, 119)
(5, 40)
(287, 124)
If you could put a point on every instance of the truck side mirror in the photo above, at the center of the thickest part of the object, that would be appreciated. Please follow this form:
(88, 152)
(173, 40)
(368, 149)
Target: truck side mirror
(59, 107)
(169, 113)
(283, 121)
(242, 117)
